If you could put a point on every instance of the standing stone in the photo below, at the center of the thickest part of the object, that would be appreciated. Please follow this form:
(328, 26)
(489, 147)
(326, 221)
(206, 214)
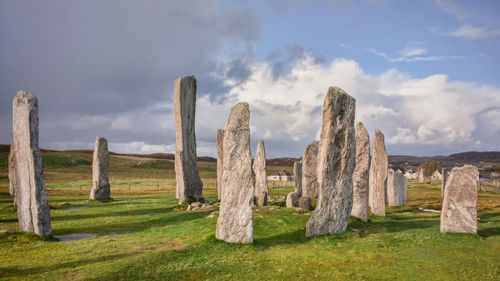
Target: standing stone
(444, 177)
(421, 177)
(459, 210)
(436, 176)
(235, 223)
(292, 200)
(305, 203)
(378, 175)
(259, 168)
(361, 173)
(336, 161)
(100, 165)
(297, 177)
(397, 184)
(309, 171)
(187, 179)
(220, 138)
(26, 179)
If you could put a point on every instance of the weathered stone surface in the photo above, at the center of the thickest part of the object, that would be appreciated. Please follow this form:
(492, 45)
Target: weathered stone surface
(397, 185)
(220, 138)
(297, 177)
(436, 176)
(235, 223)
(292, 200)
(309, 171)
(420, 177)
(259, 168)
(26, 178)
(305, 203)
(100, 165)
(361, 174)
(444, 177)
(187, 179)
(336, 161)
(378, 175)
(459, 210)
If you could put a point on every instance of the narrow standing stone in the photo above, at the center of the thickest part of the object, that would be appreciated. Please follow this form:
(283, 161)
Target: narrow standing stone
(27, 183)
(459, 210)
(259, 168)
(235, 223)
(421, 177)
(297, 177)
(100, 165)
(397, 185)
(309, 171)
(220, 138)
(336, 161)
(378, 175)
(187, 179)
(361, 173)
(444, 177)
(292, 200)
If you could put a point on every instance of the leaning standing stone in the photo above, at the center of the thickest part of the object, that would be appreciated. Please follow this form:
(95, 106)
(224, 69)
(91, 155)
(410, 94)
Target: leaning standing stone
(336, 160)
(235, 219)
(361, 171)
(421, 175)
(220, 138)
(309, 171)
(397, 185)
(378, 175)
(100, 165)
(259, 168)
(297, 177)
(187, 179)
(459, 210)
(25, 167)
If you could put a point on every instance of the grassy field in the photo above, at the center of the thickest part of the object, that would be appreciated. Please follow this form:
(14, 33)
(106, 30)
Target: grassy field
(141, 235)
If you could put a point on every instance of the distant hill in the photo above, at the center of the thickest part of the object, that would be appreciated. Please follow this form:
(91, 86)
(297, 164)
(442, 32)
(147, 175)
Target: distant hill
(457, 159)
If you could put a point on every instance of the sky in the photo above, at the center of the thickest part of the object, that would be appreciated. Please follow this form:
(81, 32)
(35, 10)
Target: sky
(426, 73)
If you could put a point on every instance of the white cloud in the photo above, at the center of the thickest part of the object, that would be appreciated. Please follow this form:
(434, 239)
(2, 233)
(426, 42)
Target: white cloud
(425, 111)
(414, 55)
(471, 32)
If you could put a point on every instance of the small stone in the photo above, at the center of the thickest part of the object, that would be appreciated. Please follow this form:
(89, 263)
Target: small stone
(7, 231)
(305, 203)
(459, 209)
(292, 200)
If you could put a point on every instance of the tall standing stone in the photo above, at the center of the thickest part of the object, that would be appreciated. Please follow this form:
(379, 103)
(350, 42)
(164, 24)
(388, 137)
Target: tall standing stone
(100, 165)
(336, 161)
(444, 177)
(361, 173)
(309, 171)
(297, 177)
(259, 168)
(459, 210)
(220, 138)
(235, 223)
(187, 179)
(27, 183)
(397, 184)
(378, 175)
(421, 177)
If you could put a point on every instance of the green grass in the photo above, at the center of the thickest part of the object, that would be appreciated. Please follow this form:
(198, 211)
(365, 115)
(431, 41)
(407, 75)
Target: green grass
(139, 235)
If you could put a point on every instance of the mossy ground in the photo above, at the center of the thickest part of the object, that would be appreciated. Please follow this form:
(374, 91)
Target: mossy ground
(141, 236)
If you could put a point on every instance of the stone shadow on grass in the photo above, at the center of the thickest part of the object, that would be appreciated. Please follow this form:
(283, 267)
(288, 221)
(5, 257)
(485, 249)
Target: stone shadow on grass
(488, 232)
(24, 272)
(134, 226)
(132, 212)
(293, 237)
